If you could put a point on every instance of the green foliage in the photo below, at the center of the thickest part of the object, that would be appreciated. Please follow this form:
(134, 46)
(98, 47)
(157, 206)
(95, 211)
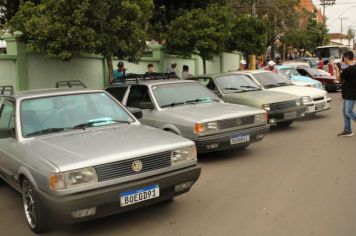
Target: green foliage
(62, 28)
(249, 35)
(202, 32)
(308, 38)
(167, 10)
(8, 9)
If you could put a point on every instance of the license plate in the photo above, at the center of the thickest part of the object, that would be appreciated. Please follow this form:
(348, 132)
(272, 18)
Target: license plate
(320, 106)
(290, 115)
(239, 138)
(139, 195)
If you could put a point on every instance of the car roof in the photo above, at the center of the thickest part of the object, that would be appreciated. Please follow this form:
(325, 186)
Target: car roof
(151, 82)
(246, 72)
(48, 92)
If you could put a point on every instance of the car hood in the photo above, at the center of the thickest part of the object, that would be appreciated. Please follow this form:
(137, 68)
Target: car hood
(97, 146)
(203, 112)
(300, 91)
(258, 97)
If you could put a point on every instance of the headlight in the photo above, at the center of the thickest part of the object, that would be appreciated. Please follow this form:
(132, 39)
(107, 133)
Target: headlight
(298, 102)
(266, 107)
(261, 118)
(73, 178)
(307, 99)
(206, 127)
(182, 155)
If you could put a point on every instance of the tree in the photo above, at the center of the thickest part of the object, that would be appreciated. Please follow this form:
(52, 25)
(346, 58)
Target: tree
(167, 10)
(61, 29)
(248, 35)
(8, 9)
(201, 32)
(350, 36)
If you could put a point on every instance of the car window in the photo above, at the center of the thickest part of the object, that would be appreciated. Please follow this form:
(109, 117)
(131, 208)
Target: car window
(59, 113)
(7, 115)
(289, 71)
(138, 94)
(169, 95)
(236, 83)
(271, 79)
(303, 72)
(117, 92)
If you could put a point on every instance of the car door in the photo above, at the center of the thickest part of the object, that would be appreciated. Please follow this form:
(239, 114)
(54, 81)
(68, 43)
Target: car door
(139, 97)
(8, 142)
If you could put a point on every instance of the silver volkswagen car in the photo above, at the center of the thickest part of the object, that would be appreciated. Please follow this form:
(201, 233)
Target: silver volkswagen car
(79, 154)
(193, 111)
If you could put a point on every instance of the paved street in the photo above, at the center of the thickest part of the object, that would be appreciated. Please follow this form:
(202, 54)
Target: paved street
(298, 181)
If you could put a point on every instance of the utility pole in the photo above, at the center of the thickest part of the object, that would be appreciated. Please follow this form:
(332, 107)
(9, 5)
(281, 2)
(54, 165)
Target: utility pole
(325, 3)
(252, 64)
(341, 36)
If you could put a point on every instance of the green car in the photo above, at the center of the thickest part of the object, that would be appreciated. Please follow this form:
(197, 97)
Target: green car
(283, 109)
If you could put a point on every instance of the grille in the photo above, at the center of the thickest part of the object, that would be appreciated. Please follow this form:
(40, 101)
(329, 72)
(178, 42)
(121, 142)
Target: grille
(283, 105)
(236, 122)
(318, 99)
(124, 168)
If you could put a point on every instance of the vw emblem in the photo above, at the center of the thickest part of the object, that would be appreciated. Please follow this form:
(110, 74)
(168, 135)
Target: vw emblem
(137, 166)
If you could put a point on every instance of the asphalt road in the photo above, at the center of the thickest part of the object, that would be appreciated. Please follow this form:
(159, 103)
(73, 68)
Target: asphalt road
(298, 181)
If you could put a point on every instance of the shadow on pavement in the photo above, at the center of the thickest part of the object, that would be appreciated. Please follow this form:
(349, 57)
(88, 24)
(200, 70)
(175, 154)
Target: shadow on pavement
(237, 153)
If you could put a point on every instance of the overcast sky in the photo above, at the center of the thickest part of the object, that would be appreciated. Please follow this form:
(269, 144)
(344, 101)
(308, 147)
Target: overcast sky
(342, 8)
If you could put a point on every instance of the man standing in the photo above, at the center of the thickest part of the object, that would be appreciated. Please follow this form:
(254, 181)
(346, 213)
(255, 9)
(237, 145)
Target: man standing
(242, 65)
(270, 66)
(150, 71)
(348, 77)
(120, 73)
(173, 69)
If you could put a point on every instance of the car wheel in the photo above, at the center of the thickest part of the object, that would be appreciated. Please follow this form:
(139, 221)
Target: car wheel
(34, 212)
(285, 123)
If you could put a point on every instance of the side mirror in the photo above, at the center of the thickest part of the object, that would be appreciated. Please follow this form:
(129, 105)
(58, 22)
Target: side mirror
(146, 105)
(137, 113)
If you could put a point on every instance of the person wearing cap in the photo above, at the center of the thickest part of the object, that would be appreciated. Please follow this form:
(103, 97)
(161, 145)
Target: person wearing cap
(173, 69)
(242, 65)
(120, 72)
(270, 66)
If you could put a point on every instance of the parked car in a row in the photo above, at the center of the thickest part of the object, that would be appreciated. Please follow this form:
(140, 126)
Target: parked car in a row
(188, 109)
(79, 154)
(235, 88)
(316, 100)
(330, 83)
(291, 73)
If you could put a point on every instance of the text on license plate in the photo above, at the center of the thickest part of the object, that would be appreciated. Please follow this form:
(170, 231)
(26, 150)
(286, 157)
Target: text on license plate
(139, 195)
(239, 138)
(290, 115)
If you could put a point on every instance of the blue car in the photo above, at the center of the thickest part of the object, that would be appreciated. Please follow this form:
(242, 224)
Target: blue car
(293, 75)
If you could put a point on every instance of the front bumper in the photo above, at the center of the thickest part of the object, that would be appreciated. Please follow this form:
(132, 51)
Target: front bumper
(218, 142)
(282, 115)
(318, 106)
(107, 200)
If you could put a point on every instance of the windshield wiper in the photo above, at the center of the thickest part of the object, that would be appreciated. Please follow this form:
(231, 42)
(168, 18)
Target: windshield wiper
(202, 100)
(272, 85)
(250, 87)
(235, 89)
(47, 131)
(172, 104)
(283, 84)
(94, 122)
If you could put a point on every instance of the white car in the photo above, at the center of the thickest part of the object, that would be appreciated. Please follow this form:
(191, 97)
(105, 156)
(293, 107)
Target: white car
(316, 100)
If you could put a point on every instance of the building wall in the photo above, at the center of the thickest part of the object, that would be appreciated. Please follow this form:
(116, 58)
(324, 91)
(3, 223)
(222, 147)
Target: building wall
(7, 72)
(30, 71)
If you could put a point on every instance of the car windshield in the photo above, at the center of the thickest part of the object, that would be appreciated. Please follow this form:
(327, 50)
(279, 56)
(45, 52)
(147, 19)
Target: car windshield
(271, 79)
(316, 72)
(289, 71)
(65, 112)
(236, 83)
(177, 94)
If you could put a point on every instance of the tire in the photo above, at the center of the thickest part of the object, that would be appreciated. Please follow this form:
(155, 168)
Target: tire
(285, 123)
(34, 212)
